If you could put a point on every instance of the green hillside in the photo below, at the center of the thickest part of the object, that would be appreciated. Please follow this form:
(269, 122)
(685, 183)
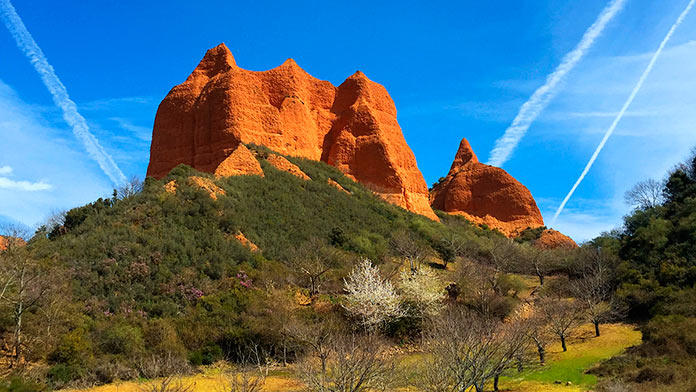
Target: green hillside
(158, 273)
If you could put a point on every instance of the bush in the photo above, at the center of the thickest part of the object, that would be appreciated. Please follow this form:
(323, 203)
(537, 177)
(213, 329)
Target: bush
(121, 338)
(19, 384)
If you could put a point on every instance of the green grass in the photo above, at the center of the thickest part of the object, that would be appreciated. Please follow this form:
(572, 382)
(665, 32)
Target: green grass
(583, 352)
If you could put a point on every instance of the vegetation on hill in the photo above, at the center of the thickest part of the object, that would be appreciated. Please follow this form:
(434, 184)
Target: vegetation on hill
(657, 274)
(166, 276)
(150, 274)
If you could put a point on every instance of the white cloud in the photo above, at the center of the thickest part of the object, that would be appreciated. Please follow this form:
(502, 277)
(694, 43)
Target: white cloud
(5, 170)
(6, 183)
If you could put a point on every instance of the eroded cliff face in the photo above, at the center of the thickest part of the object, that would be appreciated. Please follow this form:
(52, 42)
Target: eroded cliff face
(552, 239)
(485, 195)
(353, 127)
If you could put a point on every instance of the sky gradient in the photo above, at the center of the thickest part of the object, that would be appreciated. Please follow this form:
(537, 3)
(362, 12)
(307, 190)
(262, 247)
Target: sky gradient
(453, 70)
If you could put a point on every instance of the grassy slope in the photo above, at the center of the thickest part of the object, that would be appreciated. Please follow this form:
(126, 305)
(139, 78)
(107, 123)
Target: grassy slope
(583, 352)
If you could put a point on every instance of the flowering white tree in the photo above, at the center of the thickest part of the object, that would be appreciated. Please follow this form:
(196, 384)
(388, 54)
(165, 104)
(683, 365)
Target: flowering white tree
(422, 291)
(370, 298)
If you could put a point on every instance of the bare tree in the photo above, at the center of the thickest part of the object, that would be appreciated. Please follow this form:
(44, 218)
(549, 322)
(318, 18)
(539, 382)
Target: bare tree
(312, 260)
(645, 194)
(355, 364)
(594, 290)
(451, 247)
(250, 373)
(369, 298)
(503, 254)
(24, 285)
(539, 331)
(539, 261)
(469, 351)
(316, 338)
(406, 246)
(563, 316)
(129, 189)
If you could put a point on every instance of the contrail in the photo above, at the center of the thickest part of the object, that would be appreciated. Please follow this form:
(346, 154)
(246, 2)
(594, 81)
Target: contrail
(529, 111)
(60, 95)
(624, 108)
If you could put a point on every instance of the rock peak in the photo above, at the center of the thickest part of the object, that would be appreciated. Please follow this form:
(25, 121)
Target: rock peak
(359, 75)
(216, 60)
(485, 195)
(465, 155)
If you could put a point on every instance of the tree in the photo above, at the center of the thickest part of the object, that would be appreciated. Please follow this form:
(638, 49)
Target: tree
(405, 245)
(355, 363)
(451, 247)
(371, 299)
(539, 261)
(539, 331)
(422, 292)
(645, 194)
(250, 373)
(562, 316)
(318, 338)
(503, 253)
(131, 188)
(312, 260)
(593, 289)
(25, 284)
(468, 350)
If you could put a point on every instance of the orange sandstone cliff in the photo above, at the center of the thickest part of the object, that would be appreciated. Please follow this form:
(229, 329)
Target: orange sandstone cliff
(485, 195)
(353, 127)
(552, 239)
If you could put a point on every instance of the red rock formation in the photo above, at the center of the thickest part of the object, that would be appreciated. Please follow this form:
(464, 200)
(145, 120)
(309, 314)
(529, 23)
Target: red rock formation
(240, 162)
(336, 185)
(485, 194)
(3, 243)
(283, 164)
(552, 239)
(245, 241)
(352, 127)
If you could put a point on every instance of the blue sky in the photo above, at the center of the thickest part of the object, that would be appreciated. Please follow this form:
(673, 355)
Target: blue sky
(454, 69)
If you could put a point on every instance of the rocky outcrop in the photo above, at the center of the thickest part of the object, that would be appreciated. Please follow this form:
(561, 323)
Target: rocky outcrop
(207, 185)
(245, 241)
(336, 185)
(281, 163)
(352, 127)
(240, 162)
(3, 243)
(485, 195)
(552, 239)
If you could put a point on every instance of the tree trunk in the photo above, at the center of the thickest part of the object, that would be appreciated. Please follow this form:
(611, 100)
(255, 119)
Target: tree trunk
(596, 328)
(542, 354)
(563, 343)
(541, 279)
(18, 333)
(495, 383)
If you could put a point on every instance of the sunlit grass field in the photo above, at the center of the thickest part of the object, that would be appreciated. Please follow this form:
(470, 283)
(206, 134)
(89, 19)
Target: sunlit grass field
(584, 351)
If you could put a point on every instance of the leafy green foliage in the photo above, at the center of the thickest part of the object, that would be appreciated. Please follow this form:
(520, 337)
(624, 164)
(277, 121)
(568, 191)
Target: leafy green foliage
(159, 277)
